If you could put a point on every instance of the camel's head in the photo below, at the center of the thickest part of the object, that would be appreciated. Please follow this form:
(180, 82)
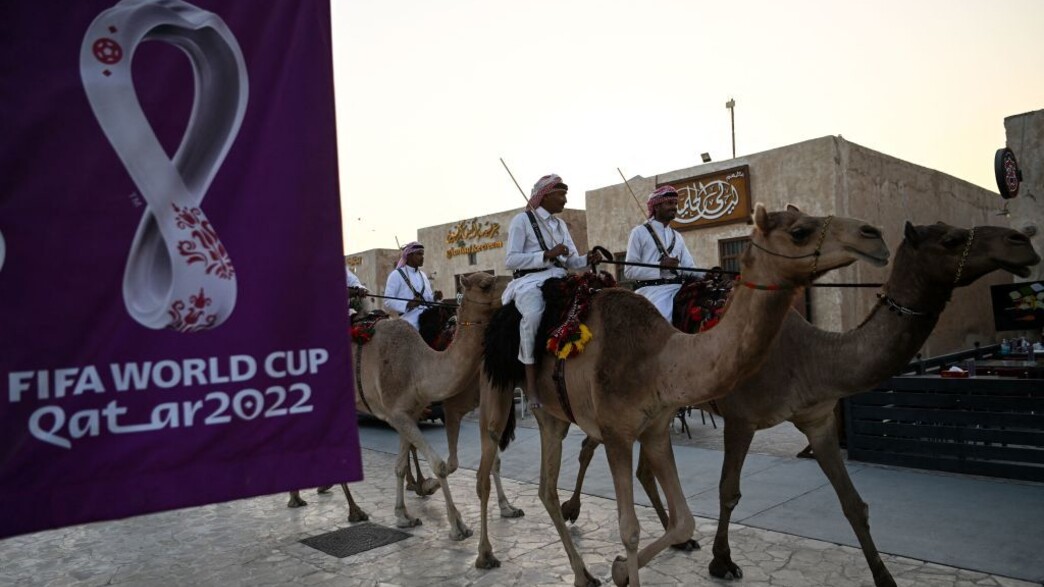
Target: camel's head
(480, 296)
(951, 256)
(795, 248)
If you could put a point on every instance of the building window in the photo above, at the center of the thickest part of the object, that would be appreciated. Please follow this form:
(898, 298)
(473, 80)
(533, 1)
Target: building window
(472, 258)
(729, 251)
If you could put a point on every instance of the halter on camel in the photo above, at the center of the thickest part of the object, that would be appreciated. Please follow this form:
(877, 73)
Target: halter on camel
(901, 310)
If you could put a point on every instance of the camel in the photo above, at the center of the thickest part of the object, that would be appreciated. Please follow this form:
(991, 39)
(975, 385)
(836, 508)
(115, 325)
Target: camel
(637, 371)
(398, 376)
(454, 409)
(807, 370)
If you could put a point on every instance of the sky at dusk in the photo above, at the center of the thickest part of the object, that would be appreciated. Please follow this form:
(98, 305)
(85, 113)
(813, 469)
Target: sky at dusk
(431, 94)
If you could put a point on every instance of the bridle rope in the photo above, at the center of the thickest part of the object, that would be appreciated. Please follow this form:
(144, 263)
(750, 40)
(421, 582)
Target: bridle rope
(814, 254)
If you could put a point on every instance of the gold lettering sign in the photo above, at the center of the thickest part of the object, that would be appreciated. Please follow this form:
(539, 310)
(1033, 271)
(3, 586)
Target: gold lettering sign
(353, 261)
(450, 253)
(472, 229)
(722, 197)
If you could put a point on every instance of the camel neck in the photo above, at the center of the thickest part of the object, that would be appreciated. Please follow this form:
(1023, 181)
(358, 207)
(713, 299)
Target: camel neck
(705, 366)
(459, 362)
(893, 332)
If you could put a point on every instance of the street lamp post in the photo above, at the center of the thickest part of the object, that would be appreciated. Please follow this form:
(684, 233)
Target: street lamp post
(731, 105)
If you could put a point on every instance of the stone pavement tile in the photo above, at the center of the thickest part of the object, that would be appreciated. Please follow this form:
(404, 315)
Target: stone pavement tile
(255, 542)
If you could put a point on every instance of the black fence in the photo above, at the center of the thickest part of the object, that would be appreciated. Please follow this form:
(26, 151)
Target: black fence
(981, 426)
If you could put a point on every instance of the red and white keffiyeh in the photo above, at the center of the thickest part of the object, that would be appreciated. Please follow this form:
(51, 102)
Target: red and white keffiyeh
(662, 194)
(406, 250)
(544, 186)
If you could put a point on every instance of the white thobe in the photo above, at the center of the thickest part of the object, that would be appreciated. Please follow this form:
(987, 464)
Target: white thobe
(524, 252)
(641, 248)
(397, 287)
(353, 279)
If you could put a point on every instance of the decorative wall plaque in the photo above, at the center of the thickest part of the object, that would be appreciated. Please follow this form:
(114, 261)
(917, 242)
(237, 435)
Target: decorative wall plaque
(1007, 172)
(722, 197)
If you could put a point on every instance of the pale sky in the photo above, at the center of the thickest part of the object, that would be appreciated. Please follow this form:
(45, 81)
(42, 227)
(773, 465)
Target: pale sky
(431, 93)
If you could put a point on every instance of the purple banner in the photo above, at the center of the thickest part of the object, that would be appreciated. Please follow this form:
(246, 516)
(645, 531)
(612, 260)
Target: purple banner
(172, 303)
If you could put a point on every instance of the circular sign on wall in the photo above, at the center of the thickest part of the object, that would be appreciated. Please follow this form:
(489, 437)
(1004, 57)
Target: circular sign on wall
(1009, 176)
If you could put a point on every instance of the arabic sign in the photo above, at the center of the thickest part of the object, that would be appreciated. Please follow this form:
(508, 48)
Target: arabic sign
(721, 197)
(472, 229)
(172, 300)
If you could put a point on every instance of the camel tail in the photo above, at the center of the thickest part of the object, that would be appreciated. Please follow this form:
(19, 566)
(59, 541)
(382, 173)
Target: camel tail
(509, 430)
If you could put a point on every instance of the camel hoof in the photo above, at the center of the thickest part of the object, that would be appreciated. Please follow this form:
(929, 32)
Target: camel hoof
(724, 569)
(408, 522)
(620, 576)
(296, 502)
(486, 560)
(323, 489)
(451, 467)
(458, 531)
(687, 546)
(428, 487)
(591, 581)
(357, 516)
(571, 510)
(511, 512)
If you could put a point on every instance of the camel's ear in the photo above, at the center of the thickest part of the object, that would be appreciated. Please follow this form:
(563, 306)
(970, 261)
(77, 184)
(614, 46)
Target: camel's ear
(911, 235)
(761, 218)
(464, 281)
(792, 208)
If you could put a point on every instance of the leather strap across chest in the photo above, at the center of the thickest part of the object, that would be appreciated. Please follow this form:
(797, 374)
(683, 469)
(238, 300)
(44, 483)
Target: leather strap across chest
(540, 236)
(358, 376)
(560, 387)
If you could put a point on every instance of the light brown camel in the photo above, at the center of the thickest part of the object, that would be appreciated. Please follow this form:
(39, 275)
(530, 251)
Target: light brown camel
(454, 409)
(399, 375)
(807, 370)
(638, 370)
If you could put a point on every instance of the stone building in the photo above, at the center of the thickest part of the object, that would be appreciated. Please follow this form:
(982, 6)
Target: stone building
(828, 175)
(373, 267)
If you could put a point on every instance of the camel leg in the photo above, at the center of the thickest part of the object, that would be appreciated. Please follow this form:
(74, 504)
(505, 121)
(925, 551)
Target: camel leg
(493, 417)
(408, 429)
(506, 509)
(571, 508)
(658, 455)
(403, 519)
(423, 487)
(618, 451)
(355, 513)
(737, 443)
(295, 500)
(647, 478)
(822, 436)
(552, 432)
(452, 420)
(411, 482)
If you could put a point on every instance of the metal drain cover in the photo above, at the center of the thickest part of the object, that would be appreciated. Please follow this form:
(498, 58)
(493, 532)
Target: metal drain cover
(355, 539)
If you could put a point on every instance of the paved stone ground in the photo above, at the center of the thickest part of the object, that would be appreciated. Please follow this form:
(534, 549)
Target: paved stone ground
(256, 542)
